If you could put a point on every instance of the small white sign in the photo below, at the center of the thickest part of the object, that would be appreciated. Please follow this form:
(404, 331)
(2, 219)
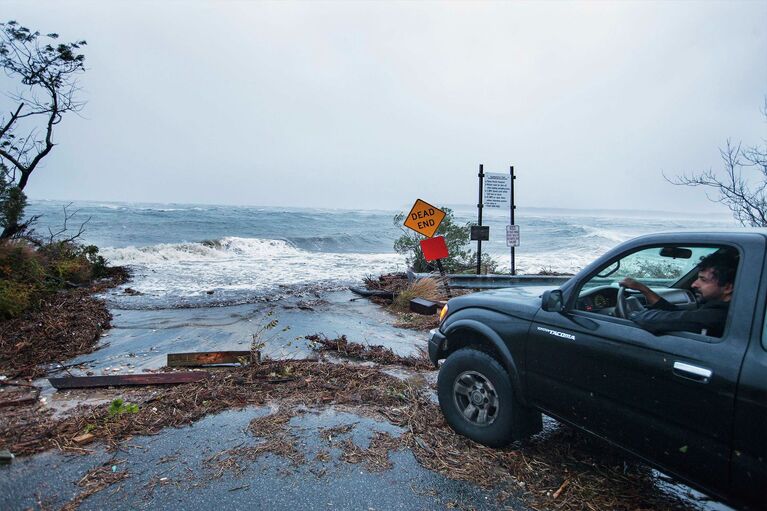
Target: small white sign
(512, 235)
(497, 193)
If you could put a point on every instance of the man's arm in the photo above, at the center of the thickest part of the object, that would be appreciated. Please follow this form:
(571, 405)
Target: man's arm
(656, 320)
(651, 297)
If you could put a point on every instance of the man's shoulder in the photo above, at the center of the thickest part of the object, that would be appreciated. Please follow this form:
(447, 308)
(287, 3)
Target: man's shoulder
(716, 304)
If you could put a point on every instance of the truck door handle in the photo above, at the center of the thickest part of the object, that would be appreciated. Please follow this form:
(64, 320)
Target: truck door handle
(691, 372)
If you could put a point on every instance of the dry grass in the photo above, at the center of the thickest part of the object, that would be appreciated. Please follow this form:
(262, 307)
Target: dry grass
(430, 288)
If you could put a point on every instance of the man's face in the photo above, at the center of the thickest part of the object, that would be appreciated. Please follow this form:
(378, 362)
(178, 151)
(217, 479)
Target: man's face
(707, 287)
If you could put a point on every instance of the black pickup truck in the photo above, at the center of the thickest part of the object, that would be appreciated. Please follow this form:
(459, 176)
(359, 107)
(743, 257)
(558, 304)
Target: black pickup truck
(692, 405)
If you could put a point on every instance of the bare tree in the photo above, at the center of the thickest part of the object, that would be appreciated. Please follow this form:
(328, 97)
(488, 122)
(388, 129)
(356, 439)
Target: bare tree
(742, 186)
(49, 89)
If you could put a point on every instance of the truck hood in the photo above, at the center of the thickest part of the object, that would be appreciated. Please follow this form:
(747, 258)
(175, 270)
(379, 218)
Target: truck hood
(520, 301)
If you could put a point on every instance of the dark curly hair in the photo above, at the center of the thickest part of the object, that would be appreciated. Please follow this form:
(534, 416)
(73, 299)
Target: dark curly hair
(723, 263)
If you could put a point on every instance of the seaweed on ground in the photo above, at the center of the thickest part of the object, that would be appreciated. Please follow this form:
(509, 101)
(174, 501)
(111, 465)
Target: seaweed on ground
(376, 455)
(394, 282)
(373, 353)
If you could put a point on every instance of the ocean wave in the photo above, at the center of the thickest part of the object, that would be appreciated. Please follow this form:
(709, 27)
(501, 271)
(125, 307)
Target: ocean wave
(235, 269)
(108, 206)
(338, 242)
(204, 251)
(611, 235)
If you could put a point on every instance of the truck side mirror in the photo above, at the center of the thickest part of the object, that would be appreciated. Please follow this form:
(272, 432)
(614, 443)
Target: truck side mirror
(552, 301)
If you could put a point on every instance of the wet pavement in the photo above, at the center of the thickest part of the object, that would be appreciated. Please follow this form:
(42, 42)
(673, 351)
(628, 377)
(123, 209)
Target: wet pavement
(140, 339)
(169, 471)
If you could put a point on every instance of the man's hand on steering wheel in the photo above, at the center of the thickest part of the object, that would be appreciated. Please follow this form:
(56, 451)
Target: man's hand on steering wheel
(632, 284)
(651, 297)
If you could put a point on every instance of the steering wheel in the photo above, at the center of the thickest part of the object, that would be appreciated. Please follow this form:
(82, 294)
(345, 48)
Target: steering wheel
(621, 308)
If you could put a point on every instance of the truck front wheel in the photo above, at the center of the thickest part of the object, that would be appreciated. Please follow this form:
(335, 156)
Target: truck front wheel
(476, 397)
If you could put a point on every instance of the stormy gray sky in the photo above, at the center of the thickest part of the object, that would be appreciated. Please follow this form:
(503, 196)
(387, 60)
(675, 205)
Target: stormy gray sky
(372, 104)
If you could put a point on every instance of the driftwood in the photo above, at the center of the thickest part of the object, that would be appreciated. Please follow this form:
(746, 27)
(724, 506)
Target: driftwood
(372, 292)
(80, 382)
(200, 359)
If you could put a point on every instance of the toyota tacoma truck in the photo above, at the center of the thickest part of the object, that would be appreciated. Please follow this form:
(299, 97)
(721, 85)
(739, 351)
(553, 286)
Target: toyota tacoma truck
(690, 404)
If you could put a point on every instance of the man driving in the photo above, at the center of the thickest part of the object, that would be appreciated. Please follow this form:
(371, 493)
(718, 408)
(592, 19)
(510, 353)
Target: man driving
(713, 291)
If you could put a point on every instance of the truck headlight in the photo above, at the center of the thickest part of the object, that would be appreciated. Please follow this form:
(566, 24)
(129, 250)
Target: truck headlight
(443, 314)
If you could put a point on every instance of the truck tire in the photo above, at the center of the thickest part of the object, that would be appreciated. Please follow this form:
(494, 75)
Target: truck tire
(476, 397)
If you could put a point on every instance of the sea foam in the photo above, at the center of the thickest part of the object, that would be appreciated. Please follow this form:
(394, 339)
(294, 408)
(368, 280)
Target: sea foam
(237, 270)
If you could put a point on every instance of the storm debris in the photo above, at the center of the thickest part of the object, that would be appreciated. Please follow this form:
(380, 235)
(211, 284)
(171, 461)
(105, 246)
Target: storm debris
(376, 455)
(14, 393)
(536, 471)
(96, 480)
(276, 438)
(329, 434)
(392, 282)
(65, 325)
(200, 359)
(374, 353)
(81, 382)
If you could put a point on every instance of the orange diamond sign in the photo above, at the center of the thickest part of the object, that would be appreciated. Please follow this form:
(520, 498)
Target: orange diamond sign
(424, 218)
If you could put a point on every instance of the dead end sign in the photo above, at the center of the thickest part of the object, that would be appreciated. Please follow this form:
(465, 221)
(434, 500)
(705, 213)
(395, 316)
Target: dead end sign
(424, 218)
(434, 248)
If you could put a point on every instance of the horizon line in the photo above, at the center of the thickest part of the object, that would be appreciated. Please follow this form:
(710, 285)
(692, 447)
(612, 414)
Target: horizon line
(447, 205)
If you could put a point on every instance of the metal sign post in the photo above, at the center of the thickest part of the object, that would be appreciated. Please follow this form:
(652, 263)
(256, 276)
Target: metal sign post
(435, 249)
(444, 278)
(498, 193)
(479, 218)
(512, 207)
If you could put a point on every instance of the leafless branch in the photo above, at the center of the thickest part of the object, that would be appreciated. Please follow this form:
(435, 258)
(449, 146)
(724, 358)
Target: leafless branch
(743, 194)
(54, 236)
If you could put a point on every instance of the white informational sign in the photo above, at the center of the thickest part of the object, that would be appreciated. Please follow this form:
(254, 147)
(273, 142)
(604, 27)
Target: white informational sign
(512, 235)
(497, 193)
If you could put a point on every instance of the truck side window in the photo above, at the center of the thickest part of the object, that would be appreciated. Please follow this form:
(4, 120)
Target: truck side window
(649, 266)
(666, 289)
(661, 268)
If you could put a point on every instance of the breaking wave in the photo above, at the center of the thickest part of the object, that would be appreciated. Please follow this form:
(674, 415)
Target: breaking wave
(236, 270)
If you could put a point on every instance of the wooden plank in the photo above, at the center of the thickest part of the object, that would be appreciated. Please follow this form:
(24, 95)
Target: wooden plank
(20, 401)
(207, 358)
(83, 439)
(81, 382)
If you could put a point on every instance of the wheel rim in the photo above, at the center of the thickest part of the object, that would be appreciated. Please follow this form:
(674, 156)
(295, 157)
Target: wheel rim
(476, 398)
